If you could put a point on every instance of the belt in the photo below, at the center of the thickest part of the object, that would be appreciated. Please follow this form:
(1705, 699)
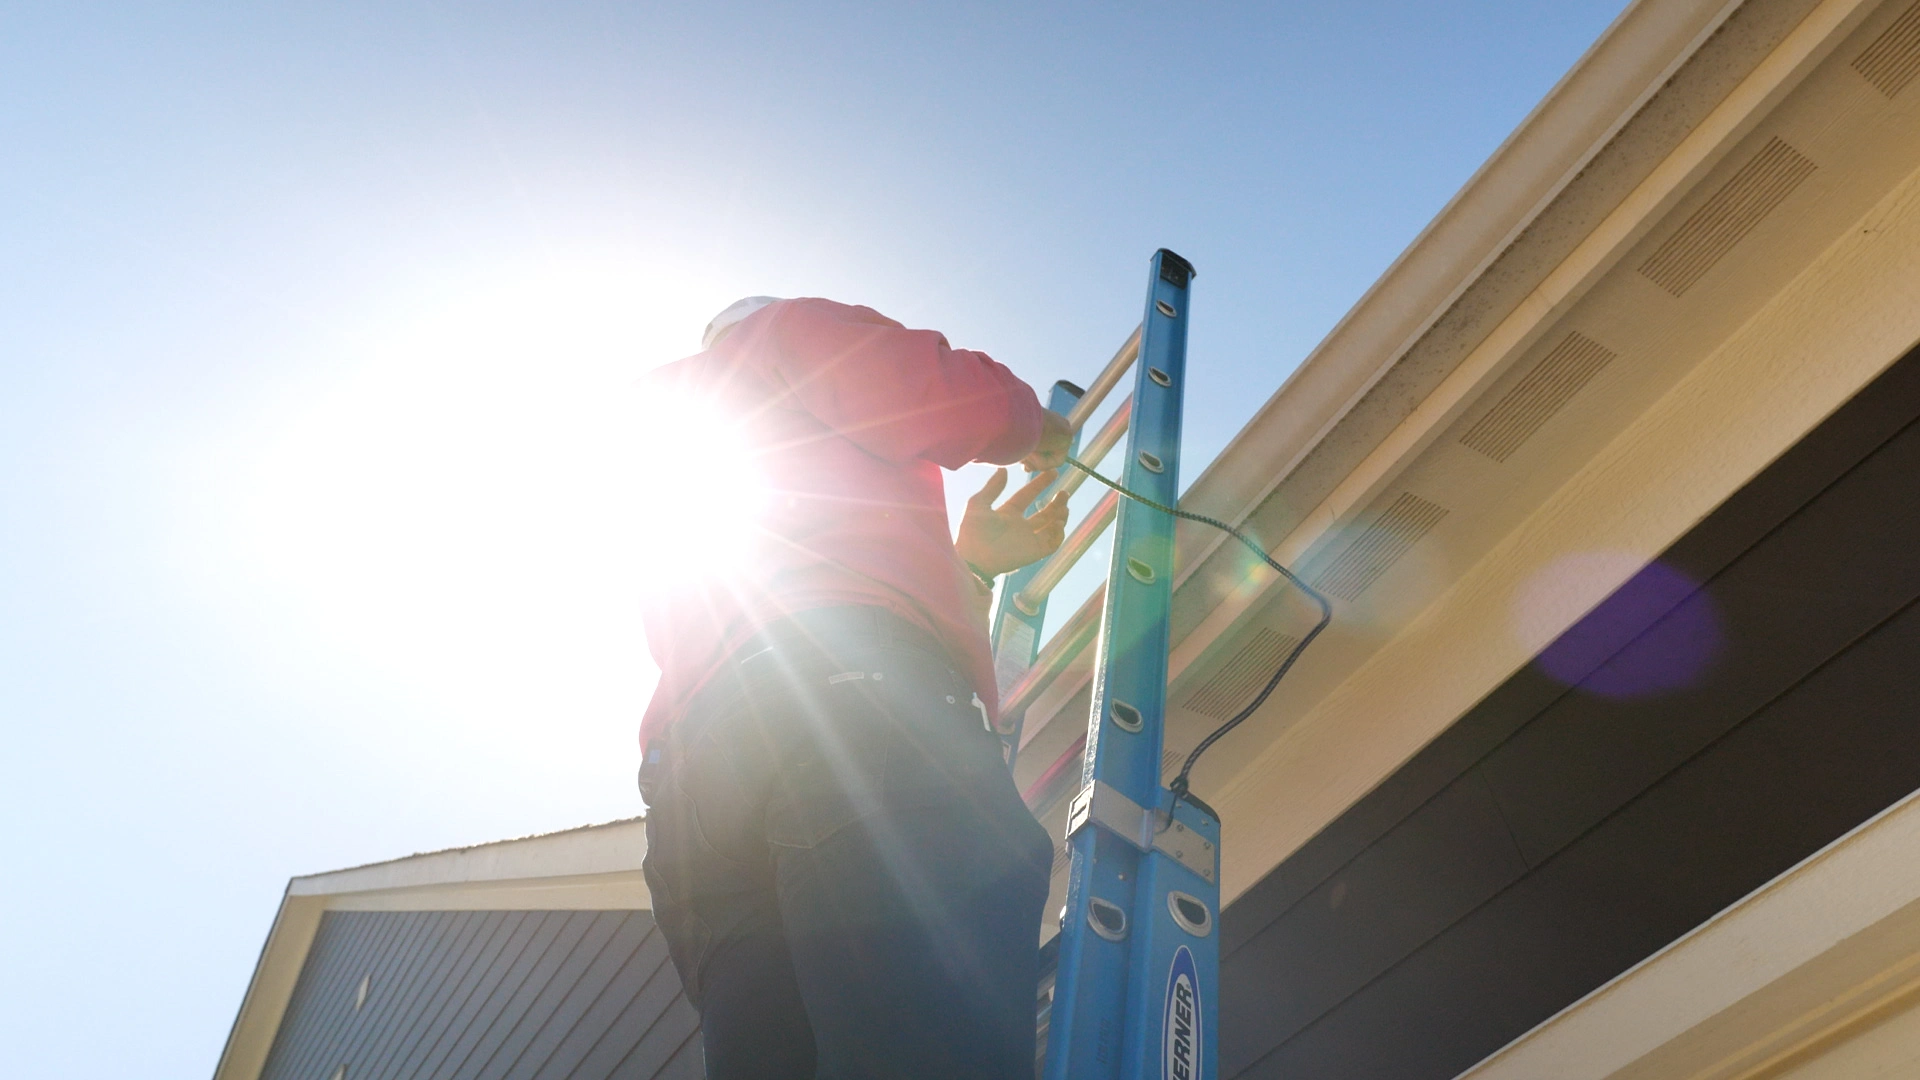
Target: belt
(820, 629)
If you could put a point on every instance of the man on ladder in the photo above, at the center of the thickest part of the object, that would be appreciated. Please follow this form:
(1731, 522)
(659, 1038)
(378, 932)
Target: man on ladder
(848, 882)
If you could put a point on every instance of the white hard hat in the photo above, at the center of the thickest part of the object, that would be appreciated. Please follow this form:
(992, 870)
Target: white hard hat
(732, 316)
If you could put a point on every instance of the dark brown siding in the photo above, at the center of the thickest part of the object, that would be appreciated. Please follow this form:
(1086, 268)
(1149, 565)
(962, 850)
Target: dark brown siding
(501, 995)
(1557, 834)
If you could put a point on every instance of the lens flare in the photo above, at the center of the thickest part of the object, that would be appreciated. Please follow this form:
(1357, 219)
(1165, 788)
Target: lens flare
(1655, 630)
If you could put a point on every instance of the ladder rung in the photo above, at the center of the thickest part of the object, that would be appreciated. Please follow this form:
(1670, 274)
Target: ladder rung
(1097, 448)
(1077, 543)
(1108, 379)
(1059, 651)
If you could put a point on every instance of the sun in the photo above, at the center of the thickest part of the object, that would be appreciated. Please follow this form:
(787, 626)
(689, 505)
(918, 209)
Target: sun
(696, 489)
(483, 490)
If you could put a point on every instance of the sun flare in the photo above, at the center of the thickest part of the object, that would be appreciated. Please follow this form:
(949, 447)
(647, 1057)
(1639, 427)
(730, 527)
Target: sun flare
(695, 488)
(480, 498)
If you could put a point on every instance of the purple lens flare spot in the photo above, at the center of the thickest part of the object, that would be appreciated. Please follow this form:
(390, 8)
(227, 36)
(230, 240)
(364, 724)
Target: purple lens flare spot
(1657, 633)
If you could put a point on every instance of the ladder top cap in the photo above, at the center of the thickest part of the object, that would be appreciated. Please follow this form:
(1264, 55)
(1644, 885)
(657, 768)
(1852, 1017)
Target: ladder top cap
(1168, 256)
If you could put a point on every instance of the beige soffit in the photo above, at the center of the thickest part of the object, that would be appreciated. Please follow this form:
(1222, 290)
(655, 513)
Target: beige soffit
(1805, 961)
(594, 868)
(1639, 92)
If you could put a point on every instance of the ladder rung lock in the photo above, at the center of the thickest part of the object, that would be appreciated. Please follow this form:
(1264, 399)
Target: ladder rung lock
(1126, 716)
(1165, 308)
(1139, 571)
(1159, 376)
(1151, 462)
(1102, 804)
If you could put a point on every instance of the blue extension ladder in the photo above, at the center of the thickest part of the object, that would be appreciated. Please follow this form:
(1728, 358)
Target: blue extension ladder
(1135, 994)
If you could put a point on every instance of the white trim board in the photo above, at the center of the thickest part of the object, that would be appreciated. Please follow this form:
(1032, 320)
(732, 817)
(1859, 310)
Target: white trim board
(1813, 956)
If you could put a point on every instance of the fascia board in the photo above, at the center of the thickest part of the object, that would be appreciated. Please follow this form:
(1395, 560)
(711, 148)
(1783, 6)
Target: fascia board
(270, 989)
(616, 891)
(612, 848)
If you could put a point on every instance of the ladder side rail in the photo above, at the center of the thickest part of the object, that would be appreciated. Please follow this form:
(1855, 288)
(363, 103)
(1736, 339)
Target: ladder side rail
(1016, 626)
(1123, 973)
(1059, 651)
(1173, 976)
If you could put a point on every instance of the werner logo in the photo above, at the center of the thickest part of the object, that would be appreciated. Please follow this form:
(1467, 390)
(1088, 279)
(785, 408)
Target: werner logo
(1181, 1025)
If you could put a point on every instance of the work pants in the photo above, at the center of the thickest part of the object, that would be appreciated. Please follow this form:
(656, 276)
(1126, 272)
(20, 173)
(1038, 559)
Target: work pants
(849, 884)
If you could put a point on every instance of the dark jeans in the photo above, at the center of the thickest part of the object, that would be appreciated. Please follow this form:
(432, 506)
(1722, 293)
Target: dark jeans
(848, 882)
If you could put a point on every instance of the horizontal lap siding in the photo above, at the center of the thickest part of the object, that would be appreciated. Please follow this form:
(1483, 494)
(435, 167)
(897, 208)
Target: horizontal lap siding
(512, 995)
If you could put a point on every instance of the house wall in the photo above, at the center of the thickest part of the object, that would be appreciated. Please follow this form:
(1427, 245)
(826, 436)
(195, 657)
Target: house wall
(498, 994)
(1824, 957)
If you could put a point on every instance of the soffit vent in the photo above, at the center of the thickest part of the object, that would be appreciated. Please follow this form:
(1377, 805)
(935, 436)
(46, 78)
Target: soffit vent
(1891, 62)
(1168, 759)
(1062, 855)
(1241, 677)
(1379, 546)
(1550, 385)
(1723, 220)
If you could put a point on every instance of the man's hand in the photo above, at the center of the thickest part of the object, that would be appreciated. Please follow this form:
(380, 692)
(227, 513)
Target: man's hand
(1003, 538)
(1055, 437)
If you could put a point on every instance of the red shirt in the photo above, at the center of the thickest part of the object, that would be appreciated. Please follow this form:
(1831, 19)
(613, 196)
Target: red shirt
(848, 418)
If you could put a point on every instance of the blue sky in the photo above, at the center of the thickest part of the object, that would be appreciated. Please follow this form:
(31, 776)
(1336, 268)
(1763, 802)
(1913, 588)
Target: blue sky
(313, 549)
